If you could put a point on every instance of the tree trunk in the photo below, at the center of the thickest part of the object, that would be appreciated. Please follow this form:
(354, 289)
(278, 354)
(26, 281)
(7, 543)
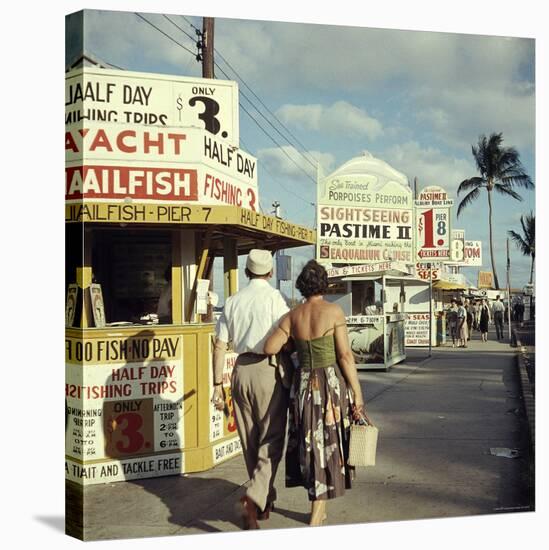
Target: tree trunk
(532, 269)
(496, 282)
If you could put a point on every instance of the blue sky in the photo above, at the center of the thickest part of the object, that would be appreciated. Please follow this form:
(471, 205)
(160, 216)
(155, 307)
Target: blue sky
(415, 99)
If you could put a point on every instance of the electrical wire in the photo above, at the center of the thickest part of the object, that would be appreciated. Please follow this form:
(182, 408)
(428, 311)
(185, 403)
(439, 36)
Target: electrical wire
(269, 135)
(260, 101)
(268, 110)
(181, 29)
(165, 34)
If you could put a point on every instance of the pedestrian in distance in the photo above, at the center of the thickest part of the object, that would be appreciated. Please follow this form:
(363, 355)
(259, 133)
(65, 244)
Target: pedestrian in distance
(260, 398)
(452, 320)
(498, 310)
(470, 318)
(320, 411)
(476, 314)
(485, 319)
(462, 325)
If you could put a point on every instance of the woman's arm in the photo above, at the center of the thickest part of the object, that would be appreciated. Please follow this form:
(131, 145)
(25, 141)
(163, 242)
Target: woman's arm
(345, 357)
(278, 337)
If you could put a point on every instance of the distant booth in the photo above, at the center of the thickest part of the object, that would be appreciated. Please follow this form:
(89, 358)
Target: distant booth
(374, 299)
(365, 238)
(156, 189)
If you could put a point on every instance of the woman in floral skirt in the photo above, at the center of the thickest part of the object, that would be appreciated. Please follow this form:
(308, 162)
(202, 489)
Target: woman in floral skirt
(320, 408)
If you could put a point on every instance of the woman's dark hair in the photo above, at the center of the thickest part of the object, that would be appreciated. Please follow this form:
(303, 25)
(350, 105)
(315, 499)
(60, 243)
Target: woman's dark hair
(312, 280)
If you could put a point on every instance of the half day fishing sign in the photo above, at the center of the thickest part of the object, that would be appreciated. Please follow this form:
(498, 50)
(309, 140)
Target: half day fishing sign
(126, 97)
(432, 216)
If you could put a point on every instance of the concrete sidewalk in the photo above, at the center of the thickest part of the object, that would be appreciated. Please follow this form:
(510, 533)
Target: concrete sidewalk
(438, 420)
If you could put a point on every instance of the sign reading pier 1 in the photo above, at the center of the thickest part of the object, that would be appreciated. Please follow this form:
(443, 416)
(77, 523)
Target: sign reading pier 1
(365, 214)
(432, 219)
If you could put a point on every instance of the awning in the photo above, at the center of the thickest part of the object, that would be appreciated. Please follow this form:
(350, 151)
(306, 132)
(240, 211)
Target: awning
(448, 285)
(250, 229)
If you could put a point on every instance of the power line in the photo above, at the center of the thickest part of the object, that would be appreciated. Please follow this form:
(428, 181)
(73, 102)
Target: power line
(181, 29)
(267, 133)
(165, 34)
(260, 101)
(264, 167)
(196, 29)
(267, 108)
(242, 106)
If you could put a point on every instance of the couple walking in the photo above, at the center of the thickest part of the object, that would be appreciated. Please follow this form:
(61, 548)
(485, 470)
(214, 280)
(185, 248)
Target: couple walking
(260, 326)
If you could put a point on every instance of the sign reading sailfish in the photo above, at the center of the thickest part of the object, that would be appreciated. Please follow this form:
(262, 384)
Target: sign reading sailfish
(365, 213)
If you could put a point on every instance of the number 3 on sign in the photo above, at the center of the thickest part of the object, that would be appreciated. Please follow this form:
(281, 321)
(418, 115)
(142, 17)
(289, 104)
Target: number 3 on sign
(209, 114)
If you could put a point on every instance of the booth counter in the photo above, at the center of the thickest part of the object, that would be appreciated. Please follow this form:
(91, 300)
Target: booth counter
(138, 387)
(373, 298)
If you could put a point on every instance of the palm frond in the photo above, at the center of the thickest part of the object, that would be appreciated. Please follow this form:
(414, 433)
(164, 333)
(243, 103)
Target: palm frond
(468, 199)
(519, 242)
(470, 183)
(506, 190)
(516, 177)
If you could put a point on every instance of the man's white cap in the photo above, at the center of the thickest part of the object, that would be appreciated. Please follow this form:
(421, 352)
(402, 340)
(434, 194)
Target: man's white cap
(259, 262)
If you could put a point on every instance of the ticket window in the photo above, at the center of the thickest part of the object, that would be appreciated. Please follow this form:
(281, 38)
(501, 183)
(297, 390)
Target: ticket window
(134, 268)
(367, 298)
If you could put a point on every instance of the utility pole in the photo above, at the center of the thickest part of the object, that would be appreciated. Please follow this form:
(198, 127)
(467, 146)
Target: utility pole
(276, 212)
(208, 47)
(508, 290)
(430, 309)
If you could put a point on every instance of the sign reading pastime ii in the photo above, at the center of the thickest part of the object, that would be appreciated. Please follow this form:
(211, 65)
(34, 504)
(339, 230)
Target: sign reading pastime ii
(364, 214)
(433, 224)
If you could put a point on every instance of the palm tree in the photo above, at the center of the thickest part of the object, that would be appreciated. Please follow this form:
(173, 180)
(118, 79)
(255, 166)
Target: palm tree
(526, 242)
(500, 170)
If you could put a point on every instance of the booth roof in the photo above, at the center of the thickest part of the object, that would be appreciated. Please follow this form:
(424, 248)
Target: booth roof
(448, 285)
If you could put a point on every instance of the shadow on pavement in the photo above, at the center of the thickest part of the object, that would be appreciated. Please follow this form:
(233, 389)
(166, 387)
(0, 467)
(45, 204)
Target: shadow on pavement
(196, 502)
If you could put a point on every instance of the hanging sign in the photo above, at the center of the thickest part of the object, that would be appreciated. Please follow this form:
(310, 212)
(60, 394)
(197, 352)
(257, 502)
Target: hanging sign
(126, 97)
(432, 217)
(472, 253)
(364, 214)
(457, 246)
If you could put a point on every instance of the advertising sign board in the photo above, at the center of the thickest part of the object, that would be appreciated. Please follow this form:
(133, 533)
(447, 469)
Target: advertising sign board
(432, 217)
(364, 214)
(132, 98)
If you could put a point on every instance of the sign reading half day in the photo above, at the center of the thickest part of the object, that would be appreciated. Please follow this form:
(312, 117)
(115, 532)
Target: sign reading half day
(125, 97)
(364, 214)
(124, 403)
(432, 217)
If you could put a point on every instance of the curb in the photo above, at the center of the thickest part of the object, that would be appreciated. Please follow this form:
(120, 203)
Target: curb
(527, 394)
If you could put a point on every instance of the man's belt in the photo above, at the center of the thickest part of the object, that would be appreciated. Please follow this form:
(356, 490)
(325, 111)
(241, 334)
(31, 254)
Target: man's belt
(251, 355)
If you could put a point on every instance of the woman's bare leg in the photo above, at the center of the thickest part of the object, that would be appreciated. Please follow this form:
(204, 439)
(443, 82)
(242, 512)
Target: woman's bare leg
(318, 512)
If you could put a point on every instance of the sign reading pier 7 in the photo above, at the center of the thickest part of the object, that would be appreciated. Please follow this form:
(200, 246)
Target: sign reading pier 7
(125, 97)
(365, 214)
(433, 224)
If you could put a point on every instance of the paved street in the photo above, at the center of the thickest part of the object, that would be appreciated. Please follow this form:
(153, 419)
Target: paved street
(438, 419)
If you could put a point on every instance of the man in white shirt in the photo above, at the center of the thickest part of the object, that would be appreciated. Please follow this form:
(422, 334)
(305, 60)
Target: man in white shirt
(498, 309)
(259, 398)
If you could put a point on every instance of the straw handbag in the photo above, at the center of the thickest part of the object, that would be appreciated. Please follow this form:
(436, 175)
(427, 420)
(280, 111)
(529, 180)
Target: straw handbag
(363, 444)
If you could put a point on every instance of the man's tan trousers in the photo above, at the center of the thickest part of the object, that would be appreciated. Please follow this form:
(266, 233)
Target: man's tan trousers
(260, 405)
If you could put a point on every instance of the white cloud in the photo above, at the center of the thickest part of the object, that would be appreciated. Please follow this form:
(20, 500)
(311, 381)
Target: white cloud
(458, 117)
(288, 161)
(430, 165)
(340, 117)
